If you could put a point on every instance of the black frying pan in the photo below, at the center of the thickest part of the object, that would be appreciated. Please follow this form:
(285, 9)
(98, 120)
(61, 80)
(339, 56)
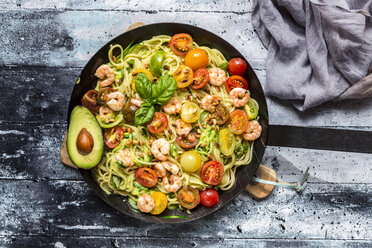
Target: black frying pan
(202, 37)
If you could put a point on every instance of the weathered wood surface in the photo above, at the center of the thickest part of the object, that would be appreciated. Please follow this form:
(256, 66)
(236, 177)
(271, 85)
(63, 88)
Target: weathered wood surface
(45, 44)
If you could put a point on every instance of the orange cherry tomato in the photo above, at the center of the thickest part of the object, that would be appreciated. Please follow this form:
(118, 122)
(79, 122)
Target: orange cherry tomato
(238, 121)
(158, 123)
(212, 172)
(146, 177)
(180, 44)
(161, 202)
(183, 76)
(196, 58)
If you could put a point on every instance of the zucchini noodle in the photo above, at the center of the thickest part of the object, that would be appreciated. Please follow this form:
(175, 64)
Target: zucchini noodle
(115, 178)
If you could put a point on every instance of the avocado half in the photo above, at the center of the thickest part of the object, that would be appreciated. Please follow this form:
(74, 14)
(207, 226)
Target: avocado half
(84, 139)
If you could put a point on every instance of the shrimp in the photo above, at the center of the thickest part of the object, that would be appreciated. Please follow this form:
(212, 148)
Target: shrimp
(136, 100)
(145, 203)
(173, 106)
(239, 97)
(217, 76)
(173, 184)
(106, 114)
(116, 100)
(124, 157)
(210, 102)
(182, 128)
(160, 149)
(253, 131)
(162, 168)
(105, 71)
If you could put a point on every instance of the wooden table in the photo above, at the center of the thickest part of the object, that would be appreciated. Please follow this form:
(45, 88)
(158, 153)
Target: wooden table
(45, 44)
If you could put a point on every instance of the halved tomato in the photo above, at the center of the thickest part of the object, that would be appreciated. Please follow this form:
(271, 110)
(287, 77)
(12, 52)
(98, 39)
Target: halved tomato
(201, 78)
(221, 114)
(251, 108)
(190, 112)
(90, 100)
(181, 43)
(227, 141)
(113, 137)
(196, 58)
(238, 121)
(158, 123)
(146, 177)
(183, 76)
(236, 81)
(161, 202)
(212, 172)
(102, 96)
(188, 197)
(187, 142)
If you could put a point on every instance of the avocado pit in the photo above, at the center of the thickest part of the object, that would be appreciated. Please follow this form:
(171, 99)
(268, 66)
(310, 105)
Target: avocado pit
(84, 142)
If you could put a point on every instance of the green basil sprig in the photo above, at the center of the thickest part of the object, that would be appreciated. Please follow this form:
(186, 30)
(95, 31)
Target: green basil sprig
(151, 94)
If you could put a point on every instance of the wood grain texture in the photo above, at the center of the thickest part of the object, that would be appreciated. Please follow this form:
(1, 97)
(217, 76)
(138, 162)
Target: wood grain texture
(71, 208)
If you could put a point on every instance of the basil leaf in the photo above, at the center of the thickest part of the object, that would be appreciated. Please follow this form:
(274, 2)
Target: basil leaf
(143, 86)
(115, 181)
(164, 88)
(144, 115)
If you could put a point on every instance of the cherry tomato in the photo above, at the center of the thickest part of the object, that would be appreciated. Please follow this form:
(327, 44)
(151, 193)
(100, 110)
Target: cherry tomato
(188, 197)
(236, 81)
(238, 121)
(146, 177)
(201, 78)
(183, 76)
(135, 73)
(158, 123)
(221, 114)
(212, 172)
(113, 137)
(196, 58)
(226, 140)
(190, 112)
(209, 198)
(190, 161)
(102, 96)
(161, 202)
(237, 66)
(251, 108)
(129, 112)
(187, 142)
(90, 101)
(181, 43)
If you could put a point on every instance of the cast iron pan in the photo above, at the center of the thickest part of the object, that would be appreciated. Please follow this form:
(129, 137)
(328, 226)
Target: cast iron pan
(202, 37)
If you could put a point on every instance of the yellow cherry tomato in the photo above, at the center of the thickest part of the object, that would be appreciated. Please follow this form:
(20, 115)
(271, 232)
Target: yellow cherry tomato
(190, 161)
(196, 58)
(184, 76)
(161, 202)
(190, 112)
(135, 72)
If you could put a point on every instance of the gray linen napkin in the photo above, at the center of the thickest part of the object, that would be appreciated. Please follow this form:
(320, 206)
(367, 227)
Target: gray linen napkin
(317, 50)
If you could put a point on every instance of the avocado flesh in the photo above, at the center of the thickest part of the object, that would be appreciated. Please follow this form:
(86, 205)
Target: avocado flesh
(81, 118)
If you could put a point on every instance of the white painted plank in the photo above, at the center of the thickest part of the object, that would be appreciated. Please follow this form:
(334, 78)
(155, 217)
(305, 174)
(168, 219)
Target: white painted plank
(132, 5)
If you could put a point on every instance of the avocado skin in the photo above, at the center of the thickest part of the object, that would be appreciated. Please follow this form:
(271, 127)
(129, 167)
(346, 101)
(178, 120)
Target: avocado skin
(81, 118)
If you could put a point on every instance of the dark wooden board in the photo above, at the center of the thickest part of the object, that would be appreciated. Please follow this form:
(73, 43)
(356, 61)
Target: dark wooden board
(71, 208)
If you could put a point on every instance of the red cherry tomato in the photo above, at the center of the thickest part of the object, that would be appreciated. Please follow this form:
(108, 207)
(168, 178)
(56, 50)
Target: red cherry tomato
(113, 137)
(209, 198)
(212, 172)
(236, 81)
(201, 78)
(158, 123)
(90, 101)
(146, 177)
(237, 66)
(180, 44)
(238, 121)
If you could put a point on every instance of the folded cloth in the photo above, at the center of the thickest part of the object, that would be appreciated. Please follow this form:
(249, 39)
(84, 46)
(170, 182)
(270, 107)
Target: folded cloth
(317, 50)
